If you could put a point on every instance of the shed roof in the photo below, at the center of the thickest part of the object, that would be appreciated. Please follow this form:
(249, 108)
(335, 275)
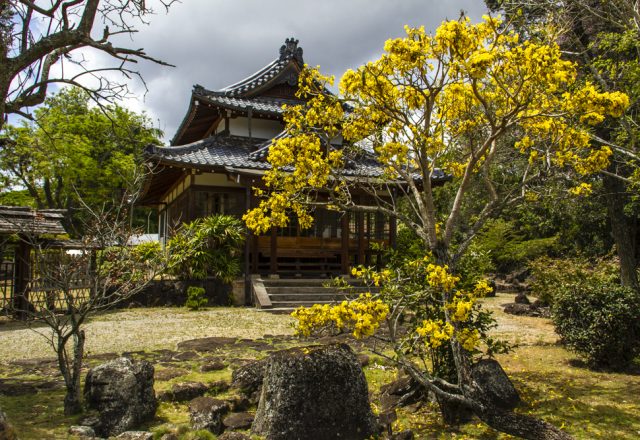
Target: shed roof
(21, 219)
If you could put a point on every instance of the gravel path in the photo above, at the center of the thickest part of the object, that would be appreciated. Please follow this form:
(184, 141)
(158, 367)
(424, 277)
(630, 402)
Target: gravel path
(145, 329)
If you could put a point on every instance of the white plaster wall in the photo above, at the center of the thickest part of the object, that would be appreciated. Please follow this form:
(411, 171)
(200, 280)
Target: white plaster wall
(260, 128)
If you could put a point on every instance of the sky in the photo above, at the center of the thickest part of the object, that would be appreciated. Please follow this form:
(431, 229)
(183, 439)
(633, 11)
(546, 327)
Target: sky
(215, 43)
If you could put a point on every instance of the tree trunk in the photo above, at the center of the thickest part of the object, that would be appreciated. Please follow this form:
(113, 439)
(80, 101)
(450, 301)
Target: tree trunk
(521, 425)
(72, 400)
(623, 229)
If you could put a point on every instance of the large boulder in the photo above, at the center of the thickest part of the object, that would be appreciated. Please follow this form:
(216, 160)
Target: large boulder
(315, 393)
(122, 392)
(496, 386)
(248, 378)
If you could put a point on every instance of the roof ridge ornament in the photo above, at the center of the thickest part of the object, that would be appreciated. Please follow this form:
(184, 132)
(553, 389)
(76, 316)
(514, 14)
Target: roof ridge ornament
(290, 50)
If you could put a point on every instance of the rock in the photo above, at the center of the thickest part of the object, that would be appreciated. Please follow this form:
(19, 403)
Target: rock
(6, 430)
(135, 435)
(170, 436)
(407, 434)
(169, 373)
(15, 389)
(521, 298)
(81, 431)
(401, 392)
(248, 378)
(517, 309)
(239, 404)
(386, 419)
(219, 386)
(122, 392)
(213, 366)
(206, 344)
(495, 384)
(183, 391)
(315, 393)
(186, 356)
(241, 420)
(363, 360)
(234, 436)
(206, 413)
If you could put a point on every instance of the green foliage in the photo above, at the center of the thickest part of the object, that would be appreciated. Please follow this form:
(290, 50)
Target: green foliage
(73, 151)
(17, 198)
(147, 252)
(474, 265)
(550, 275)
(600, 321)
(207, 246)
(195, 298)
(508, 248)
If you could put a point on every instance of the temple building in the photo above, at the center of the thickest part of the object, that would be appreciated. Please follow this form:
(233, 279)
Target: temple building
(219, 153)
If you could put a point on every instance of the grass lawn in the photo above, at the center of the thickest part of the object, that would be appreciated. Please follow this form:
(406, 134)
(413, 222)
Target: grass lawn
(554, 385)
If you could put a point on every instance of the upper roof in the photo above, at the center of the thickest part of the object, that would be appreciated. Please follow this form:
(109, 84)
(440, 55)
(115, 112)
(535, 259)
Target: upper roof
(262, 94)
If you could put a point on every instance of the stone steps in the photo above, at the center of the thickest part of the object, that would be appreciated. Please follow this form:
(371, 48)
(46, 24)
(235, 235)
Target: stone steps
(287, 294)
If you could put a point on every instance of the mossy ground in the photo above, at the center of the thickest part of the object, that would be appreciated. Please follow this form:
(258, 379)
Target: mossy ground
(551, 380)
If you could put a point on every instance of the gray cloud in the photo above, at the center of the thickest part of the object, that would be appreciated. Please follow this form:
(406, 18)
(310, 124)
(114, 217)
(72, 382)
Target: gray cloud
(216, 42)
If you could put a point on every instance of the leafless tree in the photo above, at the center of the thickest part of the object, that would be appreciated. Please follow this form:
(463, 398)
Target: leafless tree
(43, 42)
(66, 289)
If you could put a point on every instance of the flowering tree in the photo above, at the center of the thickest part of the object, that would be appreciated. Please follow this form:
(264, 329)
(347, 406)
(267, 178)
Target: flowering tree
(447, 102)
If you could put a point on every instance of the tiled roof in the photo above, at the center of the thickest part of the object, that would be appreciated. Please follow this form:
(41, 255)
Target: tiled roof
(271, 106)
(288, 52)
(215, 151)
(25, 220)
(246, 153)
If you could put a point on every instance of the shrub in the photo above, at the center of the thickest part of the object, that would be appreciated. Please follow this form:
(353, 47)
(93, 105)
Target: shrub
(550, 274)
(207, 246)
(195, 298)
(600, 321)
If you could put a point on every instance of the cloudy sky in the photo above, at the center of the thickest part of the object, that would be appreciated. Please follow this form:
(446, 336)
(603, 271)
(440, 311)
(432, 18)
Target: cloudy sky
(218, 42)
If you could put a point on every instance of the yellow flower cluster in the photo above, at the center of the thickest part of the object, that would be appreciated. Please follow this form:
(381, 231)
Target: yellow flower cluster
(435, 333)
(438, 276)
(584, 189)
(363, 316)
(468, 338)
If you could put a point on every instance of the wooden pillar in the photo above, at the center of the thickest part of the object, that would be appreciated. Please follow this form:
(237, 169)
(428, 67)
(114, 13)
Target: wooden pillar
(22, 275)
(393, 231)
(361, 244)
(247, 249)
(344, 256)
(274, 252)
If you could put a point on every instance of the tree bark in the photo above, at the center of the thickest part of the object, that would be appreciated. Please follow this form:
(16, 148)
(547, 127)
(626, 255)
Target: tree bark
(71, 372)
(623, 229)
(521, 425)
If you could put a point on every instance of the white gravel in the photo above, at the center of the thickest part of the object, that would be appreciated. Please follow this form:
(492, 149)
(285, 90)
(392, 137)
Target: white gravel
(145, 329)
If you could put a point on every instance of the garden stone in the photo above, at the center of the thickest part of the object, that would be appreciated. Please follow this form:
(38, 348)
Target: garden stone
(234, 436)
(241, 420)
(213, 366)
(183, 391)
(122, 392)
(248, 378)
(206, 413)
(6, 430)
(135, 435)
(495, 384)
(517, 309)
(169, 373)
(521, 298)
(219, 386)
(407, 434)
(84, 432)
(315, 393)
(206, 344)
